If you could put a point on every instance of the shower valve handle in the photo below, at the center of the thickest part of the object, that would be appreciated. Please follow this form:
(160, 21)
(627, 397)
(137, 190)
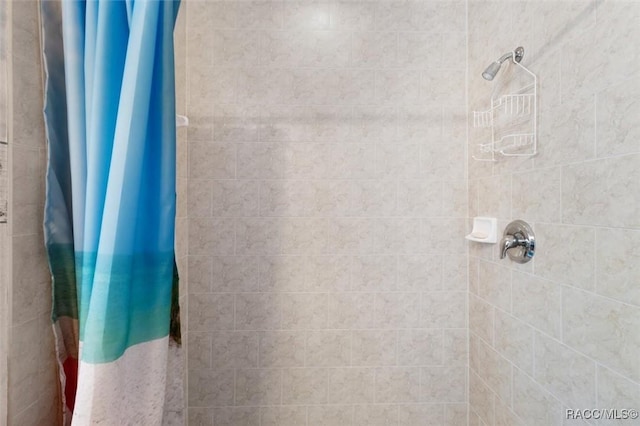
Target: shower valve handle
(518, 242)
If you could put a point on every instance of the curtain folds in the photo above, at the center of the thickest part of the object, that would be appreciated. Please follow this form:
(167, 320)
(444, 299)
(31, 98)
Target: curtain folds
(110, 207)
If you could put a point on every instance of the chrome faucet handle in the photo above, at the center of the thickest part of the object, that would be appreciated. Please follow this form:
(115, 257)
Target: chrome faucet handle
(507, 242)
(518, 242)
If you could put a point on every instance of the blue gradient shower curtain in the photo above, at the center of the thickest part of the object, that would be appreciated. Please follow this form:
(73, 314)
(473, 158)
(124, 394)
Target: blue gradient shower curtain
(110, 207)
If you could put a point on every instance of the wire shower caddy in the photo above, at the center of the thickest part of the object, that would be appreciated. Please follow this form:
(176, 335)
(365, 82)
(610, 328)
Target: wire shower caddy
(512, 120)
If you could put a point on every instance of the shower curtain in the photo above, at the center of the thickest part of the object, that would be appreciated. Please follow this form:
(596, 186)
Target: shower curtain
(110, 207)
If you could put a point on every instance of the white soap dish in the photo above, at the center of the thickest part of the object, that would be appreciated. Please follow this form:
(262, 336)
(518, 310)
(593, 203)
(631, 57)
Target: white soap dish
(485, 230)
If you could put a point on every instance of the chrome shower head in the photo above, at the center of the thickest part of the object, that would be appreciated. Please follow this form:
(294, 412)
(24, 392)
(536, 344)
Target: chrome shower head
(493, 69)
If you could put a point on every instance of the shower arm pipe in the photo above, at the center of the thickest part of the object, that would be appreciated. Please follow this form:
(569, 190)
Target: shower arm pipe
(516, 55)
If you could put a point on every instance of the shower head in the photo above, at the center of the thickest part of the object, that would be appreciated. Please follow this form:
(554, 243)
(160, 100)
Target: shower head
(493, 69)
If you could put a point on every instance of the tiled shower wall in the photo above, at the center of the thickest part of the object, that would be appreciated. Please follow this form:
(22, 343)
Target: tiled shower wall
(4, 233)
(32, 371)
(326, 209)
(562, 332)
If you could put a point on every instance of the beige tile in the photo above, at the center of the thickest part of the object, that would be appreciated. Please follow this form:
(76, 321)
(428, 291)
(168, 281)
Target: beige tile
(397, 384)
(616, 391)
(374, 347)
(31, 291)
(328, 348)
(514, 341)
(263, 86)
(286, 198)
(258, 14)
(281, 235)
(533, 404)
(419, 50)
(321, 86)
(199, 352)
(420, 273)
(603, 329)
(397, 310)
(481, 401)
(443, 384)
(374, 49)
(397, 86)
(443, 86)
(442, 160)
(538, 302)
(505, 416)
(456, 414)
(397, 235)
(328, 273)
(200, 274)
(233, 198)
(618, 264)
(373, 197)
(420, 198)
(373, 273)
(455, 199)
(474, 278)
(399, 160)
(455, 348)
(282, 273)
(211, 236)
(351, 161)
(421, 347)
(443, 309)
(602, 192)
(351, 385)
(329, 198)
(212, 160)
(258, 236)
(258, 311)
(353, 15)
(421, 414)
(244, 416)
(565, 373)
(28, 362)
(536, 195)
(306, 49)
(493, 369)
(375, 415)
(38, 413)
(258, 386)
(556, 260)
(208, 388)
(200, 416)
(495, 285)
(494, 197)
(434, 240)
(455, 273)
(568, 132)
(313, 15)
(209, 312)
(260, 160)
(235, 273)
(615, 134)
(329, 415)
(351, 235)
(481, 318)
(374, 123)
(351, 310)
(233, 349)
(232, 48)
(283, 416)
(303, 311)
(304, 386)
(281, 349)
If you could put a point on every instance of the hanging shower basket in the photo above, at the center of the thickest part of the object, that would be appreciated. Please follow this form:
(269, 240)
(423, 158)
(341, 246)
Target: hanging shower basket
(512, 117)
